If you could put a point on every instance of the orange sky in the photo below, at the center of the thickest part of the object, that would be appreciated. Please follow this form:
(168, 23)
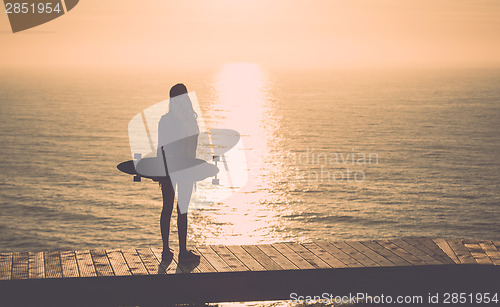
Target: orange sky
(282, 33)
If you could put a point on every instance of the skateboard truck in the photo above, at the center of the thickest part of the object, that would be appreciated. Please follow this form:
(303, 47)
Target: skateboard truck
(215, 181)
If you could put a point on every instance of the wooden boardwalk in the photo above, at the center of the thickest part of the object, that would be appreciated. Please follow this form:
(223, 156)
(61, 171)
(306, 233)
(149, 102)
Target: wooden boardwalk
(249, 272)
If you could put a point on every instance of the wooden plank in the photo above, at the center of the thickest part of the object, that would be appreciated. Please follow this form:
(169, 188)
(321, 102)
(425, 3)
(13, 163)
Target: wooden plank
(214, 259)
(369, 253)
(229, 258)
(5, 266)
(118, 263)
(308, 255)
(85, 264)
(340, 255)
(415, 243)
(295, 258)
(204, 266)
(246, 258)
(479, 255)
(497, 244)
(461, 251)
(492, 252)
(261, 258)
(416, 252)
(36, 268)
(389, 255)
(69, 265)
(400, 252)
(166, 268)
(292, 256)
(277, 257)
(134, 262)
(101, 263)
(324, 255)
(365, 261)
(149, 260)
(445, 247)
(20, 265)
(53, 267)
(434, 250)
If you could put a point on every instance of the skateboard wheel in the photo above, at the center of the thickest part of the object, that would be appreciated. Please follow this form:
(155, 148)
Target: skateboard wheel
(215, 181)
(137, 178)
(216, 158)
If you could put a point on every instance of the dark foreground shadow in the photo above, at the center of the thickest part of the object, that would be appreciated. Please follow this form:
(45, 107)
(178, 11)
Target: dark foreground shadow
(244, 286)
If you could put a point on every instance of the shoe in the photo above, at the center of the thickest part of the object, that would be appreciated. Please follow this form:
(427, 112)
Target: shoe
(167, 256)
(188, 256)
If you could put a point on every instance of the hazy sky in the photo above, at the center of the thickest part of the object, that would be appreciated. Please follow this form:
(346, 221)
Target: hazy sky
(281, 33)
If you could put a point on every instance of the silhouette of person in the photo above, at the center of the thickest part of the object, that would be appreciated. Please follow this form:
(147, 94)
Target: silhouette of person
(178, 138)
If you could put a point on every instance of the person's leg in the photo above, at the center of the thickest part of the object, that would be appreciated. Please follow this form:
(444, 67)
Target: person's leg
(168, 193)
(185, 190)
(182, 222)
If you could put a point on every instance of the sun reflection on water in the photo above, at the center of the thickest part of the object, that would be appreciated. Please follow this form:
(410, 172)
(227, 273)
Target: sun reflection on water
(243, 101)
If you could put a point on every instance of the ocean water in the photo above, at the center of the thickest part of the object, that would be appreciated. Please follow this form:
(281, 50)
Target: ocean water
(331, 155)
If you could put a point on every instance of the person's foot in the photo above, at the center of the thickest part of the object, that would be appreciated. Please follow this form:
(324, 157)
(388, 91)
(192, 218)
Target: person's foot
(188, 256)
(167, 256)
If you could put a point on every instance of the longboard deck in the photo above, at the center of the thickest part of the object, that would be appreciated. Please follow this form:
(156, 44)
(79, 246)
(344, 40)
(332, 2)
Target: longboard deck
(223, 140)
(127, 167)
(187, 169)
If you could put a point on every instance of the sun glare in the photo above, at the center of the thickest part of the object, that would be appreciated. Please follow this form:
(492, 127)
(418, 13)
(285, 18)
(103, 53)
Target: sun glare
(240, 90)
(241, 103)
